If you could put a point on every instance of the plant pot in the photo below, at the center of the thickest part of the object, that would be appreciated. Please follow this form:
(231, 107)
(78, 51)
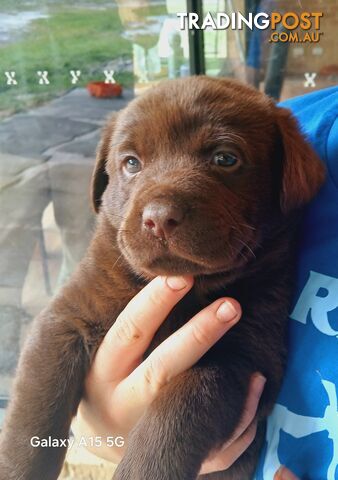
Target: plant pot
(102, 89)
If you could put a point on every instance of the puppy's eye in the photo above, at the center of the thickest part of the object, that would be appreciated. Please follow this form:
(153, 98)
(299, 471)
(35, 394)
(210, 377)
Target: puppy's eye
(132, 165)
(227, 160)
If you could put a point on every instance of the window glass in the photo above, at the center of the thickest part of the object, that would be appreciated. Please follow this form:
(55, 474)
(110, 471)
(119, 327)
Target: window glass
(51, 52)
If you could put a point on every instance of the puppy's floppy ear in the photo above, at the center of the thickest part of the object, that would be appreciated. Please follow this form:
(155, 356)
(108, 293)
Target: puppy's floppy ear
(303, 172)
(100, 177)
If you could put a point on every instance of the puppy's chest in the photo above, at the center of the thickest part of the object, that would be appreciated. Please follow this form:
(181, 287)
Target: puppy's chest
(263, 306)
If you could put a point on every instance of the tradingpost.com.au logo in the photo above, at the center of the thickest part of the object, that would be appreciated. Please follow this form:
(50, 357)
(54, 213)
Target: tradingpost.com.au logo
(282, 25)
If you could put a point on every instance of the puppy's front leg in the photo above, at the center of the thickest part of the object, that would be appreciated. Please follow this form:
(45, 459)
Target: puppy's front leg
(46, 394)
(195, 413)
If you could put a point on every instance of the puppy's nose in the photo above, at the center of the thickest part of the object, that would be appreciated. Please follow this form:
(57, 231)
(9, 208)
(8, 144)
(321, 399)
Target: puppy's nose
(161, 219)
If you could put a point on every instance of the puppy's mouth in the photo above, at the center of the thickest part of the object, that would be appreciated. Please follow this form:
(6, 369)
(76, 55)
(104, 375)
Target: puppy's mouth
(163, 257)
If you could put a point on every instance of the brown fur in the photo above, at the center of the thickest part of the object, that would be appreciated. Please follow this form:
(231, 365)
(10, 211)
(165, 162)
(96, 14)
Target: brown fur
(236, 236)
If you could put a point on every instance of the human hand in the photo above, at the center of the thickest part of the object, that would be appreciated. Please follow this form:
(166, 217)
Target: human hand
(120, 386)
(284, 474)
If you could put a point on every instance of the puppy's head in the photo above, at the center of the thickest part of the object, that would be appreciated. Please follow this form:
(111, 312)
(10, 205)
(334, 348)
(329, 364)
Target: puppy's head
(193, 174)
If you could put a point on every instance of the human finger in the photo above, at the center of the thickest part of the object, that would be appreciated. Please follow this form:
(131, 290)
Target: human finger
(224, 458)
(284, 473)
(242, 437)
(127, 340)
(182, 349)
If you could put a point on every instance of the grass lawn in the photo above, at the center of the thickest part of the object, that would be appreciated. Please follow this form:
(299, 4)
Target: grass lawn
(71, 37)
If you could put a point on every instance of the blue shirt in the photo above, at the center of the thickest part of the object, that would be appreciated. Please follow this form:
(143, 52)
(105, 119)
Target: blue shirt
(302, 431)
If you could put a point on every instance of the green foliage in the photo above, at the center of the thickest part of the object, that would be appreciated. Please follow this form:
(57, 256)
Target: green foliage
(70, 38)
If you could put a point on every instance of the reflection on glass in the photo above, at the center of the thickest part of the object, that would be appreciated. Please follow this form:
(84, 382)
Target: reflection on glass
(281, 69)
(49, 129)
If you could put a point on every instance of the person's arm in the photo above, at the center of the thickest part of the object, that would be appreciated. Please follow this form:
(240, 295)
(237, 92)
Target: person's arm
(120, 386)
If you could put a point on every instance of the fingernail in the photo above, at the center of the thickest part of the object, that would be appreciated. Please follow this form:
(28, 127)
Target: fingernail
(176, 283)
(226, 312)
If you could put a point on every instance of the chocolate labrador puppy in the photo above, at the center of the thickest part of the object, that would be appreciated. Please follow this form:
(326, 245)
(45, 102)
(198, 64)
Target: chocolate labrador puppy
(198, 176)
